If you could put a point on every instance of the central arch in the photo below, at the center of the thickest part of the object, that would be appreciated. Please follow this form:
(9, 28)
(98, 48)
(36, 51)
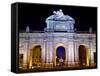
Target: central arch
(60, 55)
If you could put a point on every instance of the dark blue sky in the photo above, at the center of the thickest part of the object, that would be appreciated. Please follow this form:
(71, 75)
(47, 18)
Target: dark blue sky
(34, 16)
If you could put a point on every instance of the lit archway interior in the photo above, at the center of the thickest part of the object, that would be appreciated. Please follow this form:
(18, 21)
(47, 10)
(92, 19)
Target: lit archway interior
(82, 55)
(36, 55)
(60, 53)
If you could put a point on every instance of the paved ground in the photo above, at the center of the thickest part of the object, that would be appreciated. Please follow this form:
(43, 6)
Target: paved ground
(57, 68)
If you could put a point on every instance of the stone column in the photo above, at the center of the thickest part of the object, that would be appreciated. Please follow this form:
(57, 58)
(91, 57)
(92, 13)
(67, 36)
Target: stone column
(66, 55)
(92, 51)
(71, 53)
(25, 57)
(51, 52)
(47, 52)
(43, 49)
(76, 51)
(49, 57)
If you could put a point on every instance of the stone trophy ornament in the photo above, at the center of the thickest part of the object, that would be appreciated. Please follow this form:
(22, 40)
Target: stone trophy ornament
(60, 22)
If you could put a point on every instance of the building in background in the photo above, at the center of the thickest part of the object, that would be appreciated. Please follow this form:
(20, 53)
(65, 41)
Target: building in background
(58, 45)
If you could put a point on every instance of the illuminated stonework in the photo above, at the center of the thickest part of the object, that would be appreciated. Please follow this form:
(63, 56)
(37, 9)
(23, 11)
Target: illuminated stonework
(60, 22)
(59, 32)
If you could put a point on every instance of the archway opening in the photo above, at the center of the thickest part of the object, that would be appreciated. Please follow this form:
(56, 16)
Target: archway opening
(60, 55)
(35, 56)
(82, 55)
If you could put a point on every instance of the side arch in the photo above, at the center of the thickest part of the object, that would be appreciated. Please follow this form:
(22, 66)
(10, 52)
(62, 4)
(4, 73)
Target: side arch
(84, 57)
(35, 56)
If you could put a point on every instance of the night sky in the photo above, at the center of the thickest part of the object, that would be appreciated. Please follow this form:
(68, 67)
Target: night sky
(34, 16)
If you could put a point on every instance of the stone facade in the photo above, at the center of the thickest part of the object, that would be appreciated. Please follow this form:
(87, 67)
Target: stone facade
(59, 32)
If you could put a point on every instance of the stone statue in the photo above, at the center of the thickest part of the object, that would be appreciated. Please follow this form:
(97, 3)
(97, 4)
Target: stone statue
(27, 29)
(58, 13)
(60, 22)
